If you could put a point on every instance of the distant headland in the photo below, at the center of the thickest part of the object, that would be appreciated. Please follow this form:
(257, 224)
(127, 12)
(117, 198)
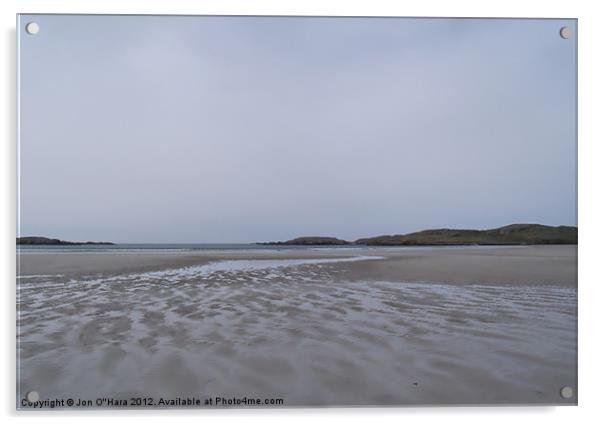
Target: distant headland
(513, 234)
(40, 240)
(309, 240)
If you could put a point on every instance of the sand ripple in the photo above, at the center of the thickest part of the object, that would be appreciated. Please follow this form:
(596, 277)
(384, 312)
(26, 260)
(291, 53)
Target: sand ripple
(292, 330)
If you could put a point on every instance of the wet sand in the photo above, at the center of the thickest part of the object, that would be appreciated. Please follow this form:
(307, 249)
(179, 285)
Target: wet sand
(325, 327)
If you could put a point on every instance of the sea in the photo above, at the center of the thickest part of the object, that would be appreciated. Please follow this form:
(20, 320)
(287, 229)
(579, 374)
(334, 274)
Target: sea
(224, 247)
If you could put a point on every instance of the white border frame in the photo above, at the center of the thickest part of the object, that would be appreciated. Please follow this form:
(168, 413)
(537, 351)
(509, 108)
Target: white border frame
(589, 203)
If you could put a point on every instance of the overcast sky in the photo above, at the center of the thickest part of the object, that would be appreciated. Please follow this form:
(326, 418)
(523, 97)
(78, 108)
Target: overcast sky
(217, 129)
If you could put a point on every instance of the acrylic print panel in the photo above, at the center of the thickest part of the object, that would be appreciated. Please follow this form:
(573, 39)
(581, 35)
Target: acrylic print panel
(296, 211)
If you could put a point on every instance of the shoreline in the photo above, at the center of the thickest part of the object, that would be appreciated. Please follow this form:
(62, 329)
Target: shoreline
(374, 326)
(536, 264)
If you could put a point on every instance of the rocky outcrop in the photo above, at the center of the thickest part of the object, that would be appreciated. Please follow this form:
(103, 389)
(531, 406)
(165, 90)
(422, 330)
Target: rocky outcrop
(40, 240)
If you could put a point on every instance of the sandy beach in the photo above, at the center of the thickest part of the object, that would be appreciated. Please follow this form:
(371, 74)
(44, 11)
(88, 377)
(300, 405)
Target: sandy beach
(369, 326)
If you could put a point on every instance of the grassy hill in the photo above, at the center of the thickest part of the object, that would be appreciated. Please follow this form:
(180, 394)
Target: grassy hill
(514, 234)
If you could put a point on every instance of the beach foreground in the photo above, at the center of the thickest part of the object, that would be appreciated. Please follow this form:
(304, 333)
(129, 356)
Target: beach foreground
(371, 326)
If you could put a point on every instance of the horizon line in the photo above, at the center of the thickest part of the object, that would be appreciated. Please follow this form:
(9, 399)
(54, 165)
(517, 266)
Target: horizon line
(308, 236)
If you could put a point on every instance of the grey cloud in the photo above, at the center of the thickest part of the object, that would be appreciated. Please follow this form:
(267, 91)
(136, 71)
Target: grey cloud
(207, 129)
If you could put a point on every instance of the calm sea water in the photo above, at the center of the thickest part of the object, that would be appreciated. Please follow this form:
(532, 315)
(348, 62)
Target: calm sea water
(174, 247)
(180, 247)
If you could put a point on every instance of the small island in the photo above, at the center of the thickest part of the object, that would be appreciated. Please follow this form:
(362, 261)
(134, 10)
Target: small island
(309, 240)
(40, 240)
(513, 234)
